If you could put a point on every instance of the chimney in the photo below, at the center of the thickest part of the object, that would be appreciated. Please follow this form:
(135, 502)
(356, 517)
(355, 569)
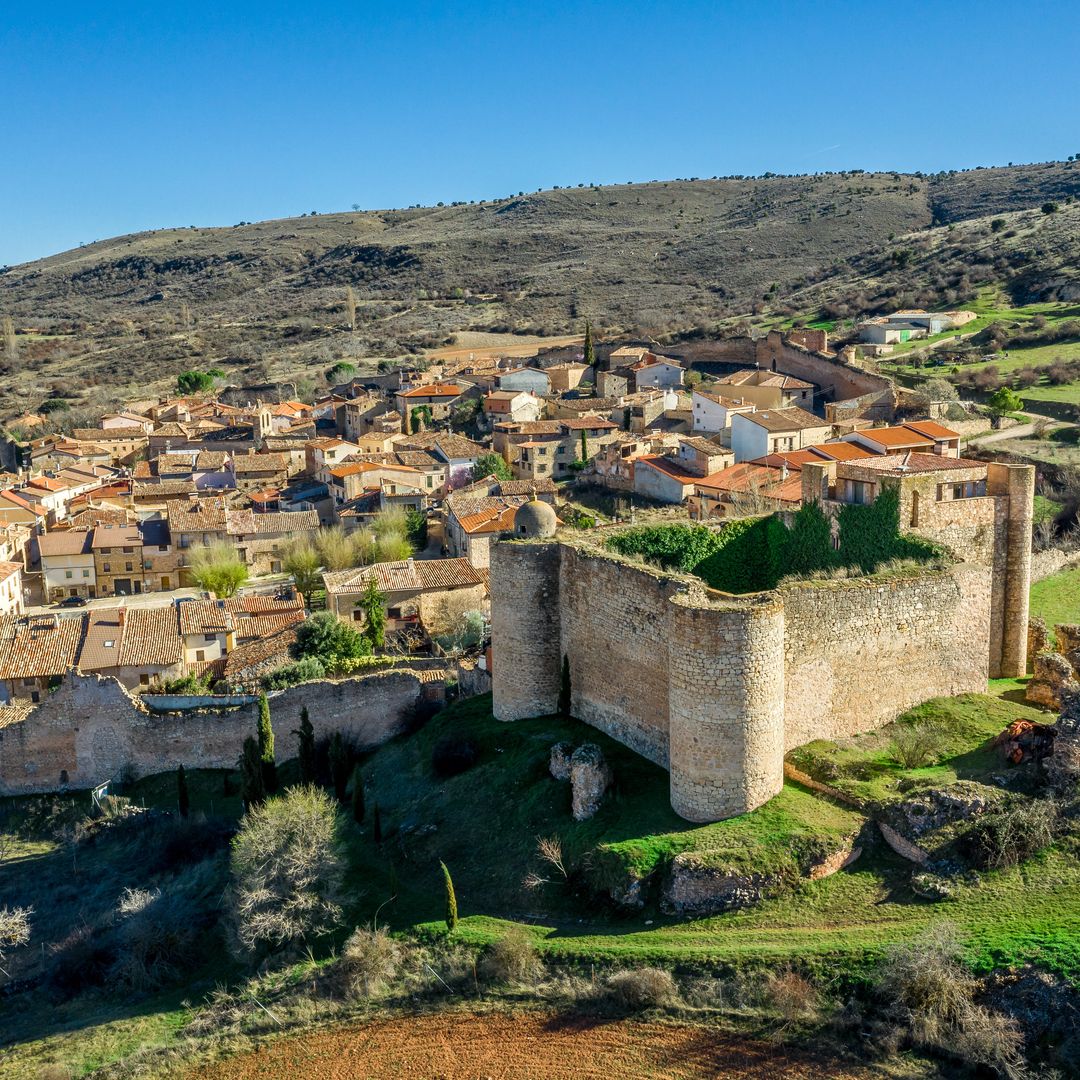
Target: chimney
(120, 613)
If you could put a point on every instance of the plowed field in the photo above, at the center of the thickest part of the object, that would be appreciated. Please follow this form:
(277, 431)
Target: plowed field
(456, 1047)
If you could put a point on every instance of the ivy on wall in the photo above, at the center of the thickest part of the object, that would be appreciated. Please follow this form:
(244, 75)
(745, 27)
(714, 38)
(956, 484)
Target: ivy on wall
(754, 554)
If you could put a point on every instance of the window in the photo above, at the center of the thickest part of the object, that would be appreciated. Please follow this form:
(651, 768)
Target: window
(129, 567)
(86, 573)
(209, 639)
(969, 489)
(105, 568)
(68, 574)
(144, 680)
(199, 655)
(860, 492)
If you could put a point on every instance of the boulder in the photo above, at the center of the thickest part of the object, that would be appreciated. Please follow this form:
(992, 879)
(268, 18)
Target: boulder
(1038, 638)
(561, 753)
(693, 887)
(1067, 636)
(590, 777)
(931, 809)
(1053, 676)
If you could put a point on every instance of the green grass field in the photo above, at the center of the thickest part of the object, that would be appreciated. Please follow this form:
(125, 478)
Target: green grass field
(1057, 599)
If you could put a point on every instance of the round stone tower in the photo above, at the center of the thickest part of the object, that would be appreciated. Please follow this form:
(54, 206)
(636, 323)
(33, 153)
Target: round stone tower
(535, 520)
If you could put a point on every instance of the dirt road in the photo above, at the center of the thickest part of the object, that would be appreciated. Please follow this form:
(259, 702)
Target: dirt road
(529, 1046)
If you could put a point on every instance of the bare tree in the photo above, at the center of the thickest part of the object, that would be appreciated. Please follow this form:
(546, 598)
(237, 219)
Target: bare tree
(14, 929)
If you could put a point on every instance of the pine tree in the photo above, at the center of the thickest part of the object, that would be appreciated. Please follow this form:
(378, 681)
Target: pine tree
(376, 825)
(451, 898)
(564, 687)
(357, 796)
(584, 448)
(305, 748)
(183, 803)
(339, 765)
(266, 747)
(252, 785)
(589, 353)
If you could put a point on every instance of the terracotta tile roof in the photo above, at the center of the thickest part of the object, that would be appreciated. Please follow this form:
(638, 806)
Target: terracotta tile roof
(588, 423)
(585, 405)
(256, 604)
(151, 638)
(702, 445)
(211, 460)
(790, 419)
(896, 438)
(7, 569)
(531, 427)
(255, 627)
(932, 429)
(251, 463)
(727, 402)
(112, 536)
(445, 390)
(102, 435)
(842, 451)
(259, 652)
(160, 489)
(282, 522)
(668, 466)
(912, 462)
(101, 647)
(543, 485)
(494, 520)
(65, 542)
(435, 574)
(748, 478)
(39, 645)
(410, 575)
(204, 617)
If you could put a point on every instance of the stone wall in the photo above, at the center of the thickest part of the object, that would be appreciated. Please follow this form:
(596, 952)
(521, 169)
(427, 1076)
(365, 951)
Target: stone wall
(716, 687)
(859, 652)
(91, 729)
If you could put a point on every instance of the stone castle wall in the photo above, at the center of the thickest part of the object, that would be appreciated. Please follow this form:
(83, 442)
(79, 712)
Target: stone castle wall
(91, 730)
(716, 688)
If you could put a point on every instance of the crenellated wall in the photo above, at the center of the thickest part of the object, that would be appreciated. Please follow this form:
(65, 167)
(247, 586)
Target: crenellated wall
(717, 687)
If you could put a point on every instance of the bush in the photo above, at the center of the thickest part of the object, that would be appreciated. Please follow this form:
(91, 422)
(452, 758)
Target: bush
(1010, 836)
(369, 960)
(287, 867)
(917, 744)
(453, 755)
(512, 958)
(155, 940)
(299, 671)
(333, 643)
(642, 988)
(792, 996)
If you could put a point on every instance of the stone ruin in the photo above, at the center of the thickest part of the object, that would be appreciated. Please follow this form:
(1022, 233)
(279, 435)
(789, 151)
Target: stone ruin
(1055, 672)
(588, 772)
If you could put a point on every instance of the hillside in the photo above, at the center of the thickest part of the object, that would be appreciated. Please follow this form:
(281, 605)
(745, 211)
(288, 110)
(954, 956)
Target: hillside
(267, 299)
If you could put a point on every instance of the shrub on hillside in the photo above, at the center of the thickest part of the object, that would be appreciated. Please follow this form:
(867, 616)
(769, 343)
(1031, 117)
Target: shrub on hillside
(1013, 834)
(308, 669)
(642, 988)
(287, 868)
(369, 960)
(453, 755)
(512, 958)
(917, 744)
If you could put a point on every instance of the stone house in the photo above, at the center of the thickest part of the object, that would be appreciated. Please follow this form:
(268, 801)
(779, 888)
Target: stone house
(657, 372)
(772, 431)
(703, 457)
(125, 444)
(254, 472)
(473, 524)
(11, 588)
(566, 377)
(552, 456)
(663, 479)
(320, 454)
(36, 652)
(768, 389)
(745, 490)
(524, 380)
(429, 594)
(118, 559)
(208, 630)
(437, 398)
(356, 416)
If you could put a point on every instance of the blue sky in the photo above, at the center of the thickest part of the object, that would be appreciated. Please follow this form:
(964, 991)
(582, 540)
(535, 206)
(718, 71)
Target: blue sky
(121, 117)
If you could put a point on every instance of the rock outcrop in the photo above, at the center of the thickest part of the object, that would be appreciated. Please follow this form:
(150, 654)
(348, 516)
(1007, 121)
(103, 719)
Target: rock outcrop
(1053, 677)
(561, 753)
(590, 777)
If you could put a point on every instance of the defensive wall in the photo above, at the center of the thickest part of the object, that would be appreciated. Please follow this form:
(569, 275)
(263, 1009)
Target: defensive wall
(92, 730)
(801, 354)
(714, 687)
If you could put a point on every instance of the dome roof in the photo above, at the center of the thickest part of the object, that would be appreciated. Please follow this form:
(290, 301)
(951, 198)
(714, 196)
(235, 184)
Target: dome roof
(535, 519)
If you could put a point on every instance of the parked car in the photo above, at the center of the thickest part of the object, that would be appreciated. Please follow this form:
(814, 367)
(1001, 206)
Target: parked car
(72, 601)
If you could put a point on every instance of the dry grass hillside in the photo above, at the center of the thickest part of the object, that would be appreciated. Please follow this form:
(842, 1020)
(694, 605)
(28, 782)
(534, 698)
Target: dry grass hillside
(267, 299)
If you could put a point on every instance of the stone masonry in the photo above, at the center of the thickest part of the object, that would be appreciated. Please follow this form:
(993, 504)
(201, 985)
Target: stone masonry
(716, 688)
(91, 729)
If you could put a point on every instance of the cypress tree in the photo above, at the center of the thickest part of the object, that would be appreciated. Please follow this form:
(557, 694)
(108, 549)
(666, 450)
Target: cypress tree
(266, 747)
(183, 804)
(584, 448)
(305, 748)
(252, 786)
(372, 603)
(339, 765)
(357, 796)
(564, 687)
(376, 825)
(589, 352)
(451, 898)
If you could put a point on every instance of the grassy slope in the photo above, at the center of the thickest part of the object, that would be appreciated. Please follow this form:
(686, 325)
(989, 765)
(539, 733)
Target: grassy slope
(1057, 598)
